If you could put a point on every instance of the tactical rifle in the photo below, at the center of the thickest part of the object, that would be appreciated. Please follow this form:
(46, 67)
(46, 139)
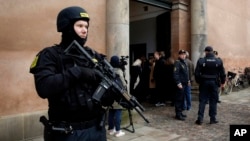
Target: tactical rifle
(109, 81)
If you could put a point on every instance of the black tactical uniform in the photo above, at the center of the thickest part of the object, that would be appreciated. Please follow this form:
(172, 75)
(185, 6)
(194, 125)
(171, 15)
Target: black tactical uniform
(181, 79)
(68, 83)
(207, 73)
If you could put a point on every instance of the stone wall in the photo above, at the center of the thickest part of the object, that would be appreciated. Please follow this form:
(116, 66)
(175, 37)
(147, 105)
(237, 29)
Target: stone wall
(21, 126)
(228, 31)
(27, 27)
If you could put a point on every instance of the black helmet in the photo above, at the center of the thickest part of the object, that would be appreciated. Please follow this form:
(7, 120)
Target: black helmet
(70, 14)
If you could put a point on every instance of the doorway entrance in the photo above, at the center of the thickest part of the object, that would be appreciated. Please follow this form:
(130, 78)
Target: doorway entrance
(136, 51)
(150, 28)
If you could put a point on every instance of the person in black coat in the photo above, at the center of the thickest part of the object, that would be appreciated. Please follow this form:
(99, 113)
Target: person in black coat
(159, 76)
(170, 82)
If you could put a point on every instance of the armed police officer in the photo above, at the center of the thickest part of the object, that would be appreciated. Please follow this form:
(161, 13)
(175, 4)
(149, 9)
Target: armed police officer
(68, 82)
(207, 73)
(181, 77)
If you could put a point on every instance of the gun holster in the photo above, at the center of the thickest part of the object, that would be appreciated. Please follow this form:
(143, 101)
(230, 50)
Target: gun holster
(61, 127)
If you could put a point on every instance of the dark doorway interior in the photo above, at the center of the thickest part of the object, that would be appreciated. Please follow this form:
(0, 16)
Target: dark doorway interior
(163, 33)
(136, 51)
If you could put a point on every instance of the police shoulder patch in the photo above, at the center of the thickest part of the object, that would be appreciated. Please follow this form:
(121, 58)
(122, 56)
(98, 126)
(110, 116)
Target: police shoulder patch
(34, 62)
(94, 60)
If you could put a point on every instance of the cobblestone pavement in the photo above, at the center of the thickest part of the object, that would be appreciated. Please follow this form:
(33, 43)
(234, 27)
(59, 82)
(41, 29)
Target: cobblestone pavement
(234, 109)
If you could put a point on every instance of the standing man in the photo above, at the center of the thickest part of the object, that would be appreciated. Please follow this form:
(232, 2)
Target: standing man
(188, 97)
(182, 81)
(207, 72)
(160, 78)
(68, 81)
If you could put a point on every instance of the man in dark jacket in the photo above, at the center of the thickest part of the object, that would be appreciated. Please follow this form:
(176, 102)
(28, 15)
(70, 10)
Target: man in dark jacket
(68, 82)
(159, 75)
(182, 81)
(207, 73)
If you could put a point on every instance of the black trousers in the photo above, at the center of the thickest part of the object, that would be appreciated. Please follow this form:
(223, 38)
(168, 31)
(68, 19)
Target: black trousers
(179, 100)
(208, 92)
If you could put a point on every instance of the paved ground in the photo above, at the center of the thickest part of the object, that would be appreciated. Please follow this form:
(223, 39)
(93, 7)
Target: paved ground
(234, 109)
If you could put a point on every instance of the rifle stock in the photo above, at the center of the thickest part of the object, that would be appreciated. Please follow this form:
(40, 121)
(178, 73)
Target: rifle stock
(109, 79)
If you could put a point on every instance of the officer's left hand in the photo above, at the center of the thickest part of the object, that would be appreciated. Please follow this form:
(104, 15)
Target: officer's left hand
(107, 98)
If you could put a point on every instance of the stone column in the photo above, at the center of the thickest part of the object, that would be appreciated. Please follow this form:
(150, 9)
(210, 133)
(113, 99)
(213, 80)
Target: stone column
(118, 36)
(198, 28)
(180, 30)
(118, 29)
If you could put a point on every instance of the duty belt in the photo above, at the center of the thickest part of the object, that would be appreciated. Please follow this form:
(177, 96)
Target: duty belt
(83, 125)
(67, 127)
(209, 76)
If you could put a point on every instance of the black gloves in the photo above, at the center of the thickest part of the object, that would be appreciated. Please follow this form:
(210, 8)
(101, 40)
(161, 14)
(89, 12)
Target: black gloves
(98, 75)
(85, 74)
(107, 98)
(91, 74)
(125, 104)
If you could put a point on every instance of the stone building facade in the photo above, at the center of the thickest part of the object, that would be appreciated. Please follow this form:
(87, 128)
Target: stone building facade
(28, 26)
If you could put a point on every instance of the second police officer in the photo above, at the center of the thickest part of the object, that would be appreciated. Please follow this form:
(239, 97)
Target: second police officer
(182, 81)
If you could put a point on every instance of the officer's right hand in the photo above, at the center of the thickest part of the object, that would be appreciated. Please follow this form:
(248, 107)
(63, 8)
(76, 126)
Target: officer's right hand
(87, 74)
(98, 74)
(81, 73)
(93, 75)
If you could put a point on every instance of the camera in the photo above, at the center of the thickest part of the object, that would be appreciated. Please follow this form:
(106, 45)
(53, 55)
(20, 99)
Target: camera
(123, 62)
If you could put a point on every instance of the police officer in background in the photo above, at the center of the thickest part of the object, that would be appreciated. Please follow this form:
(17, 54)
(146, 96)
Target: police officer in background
(182, 81)
(207, 73)
(68, 83)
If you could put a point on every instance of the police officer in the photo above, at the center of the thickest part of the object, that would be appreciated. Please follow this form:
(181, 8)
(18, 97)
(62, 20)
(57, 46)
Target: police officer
(68, 82)
(207, 73)
(182, 81)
